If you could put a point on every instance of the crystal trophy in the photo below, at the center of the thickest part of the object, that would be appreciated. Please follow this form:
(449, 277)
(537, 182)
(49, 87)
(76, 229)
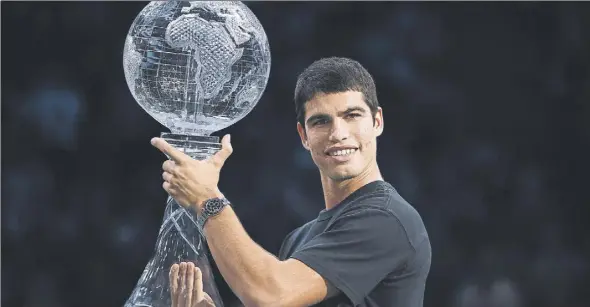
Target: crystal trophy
(196, 67)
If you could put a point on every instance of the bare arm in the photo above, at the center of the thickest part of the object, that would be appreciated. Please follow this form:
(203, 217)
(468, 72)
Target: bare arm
(257, 277)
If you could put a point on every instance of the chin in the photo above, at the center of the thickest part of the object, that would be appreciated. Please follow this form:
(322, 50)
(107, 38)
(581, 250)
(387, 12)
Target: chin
(343, 175)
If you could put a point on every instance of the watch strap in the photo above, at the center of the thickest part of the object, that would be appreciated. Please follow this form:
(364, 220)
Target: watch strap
(211, 207)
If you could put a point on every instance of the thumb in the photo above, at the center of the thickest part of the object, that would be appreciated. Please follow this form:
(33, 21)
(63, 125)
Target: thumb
(226, 151)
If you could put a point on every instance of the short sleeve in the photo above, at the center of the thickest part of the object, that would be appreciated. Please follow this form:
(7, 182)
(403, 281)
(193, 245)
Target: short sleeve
(357, 251)
(285, 246)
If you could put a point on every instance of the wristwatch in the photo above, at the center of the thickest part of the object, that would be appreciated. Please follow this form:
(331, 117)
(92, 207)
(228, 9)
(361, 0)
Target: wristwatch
(211, 207)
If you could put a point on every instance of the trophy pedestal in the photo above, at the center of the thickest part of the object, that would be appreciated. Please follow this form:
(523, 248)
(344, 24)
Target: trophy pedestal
(179, 239)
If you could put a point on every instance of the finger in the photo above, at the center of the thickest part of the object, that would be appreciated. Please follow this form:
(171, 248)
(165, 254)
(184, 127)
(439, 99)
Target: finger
(190, 272)
(168, 149)
(198, 293)
(168, 188)
(182, 297)
(173, 276)
(209, 300)
(226, 150)
(167, 176)
(169, 166)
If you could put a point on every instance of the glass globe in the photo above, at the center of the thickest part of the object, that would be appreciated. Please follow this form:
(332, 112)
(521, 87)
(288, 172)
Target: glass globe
(196, 67)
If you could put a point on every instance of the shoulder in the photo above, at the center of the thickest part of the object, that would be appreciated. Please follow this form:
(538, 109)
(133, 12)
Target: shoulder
(385, 202)
(298, 231)
(292, 238)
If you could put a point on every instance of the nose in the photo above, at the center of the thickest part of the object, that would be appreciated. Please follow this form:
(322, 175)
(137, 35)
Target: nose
(339, 131)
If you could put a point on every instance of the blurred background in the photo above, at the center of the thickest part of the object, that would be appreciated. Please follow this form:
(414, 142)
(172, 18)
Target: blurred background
(487, 134)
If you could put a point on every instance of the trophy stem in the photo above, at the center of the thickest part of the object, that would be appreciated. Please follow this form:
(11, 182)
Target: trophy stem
(198, 147)
(179, 238)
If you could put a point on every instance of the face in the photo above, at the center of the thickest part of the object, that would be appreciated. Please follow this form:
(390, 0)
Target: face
(341, 134)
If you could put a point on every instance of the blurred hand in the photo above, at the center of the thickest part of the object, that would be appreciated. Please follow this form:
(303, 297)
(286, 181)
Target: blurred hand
(186, 286)
(191, 182)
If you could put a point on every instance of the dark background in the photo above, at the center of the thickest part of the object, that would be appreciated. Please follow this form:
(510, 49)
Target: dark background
(487, 129)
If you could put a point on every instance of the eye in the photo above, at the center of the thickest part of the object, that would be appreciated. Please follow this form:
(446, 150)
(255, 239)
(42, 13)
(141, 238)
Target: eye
(320, 122)
(353, 115)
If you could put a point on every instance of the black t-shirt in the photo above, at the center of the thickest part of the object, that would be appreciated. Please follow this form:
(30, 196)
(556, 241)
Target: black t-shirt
(373, 247)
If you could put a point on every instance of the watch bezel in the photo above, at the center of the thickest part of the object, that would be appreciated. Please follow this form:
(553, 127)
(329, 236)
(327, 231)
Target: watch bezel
(208, 210)
(213, 206)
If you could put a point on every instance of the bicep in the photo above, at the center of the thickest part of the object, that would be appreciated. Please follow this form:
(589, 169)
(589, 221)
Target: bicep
(302, 286)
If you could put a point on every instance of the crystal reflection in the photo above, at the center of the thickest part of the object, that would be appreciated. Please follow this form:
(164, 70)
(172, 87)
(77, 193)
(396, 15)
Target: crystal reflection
(178, 241)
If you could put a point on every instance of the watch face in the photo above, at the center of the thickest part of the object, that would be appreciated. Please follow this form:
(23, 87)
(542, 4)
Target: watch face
(213, 206)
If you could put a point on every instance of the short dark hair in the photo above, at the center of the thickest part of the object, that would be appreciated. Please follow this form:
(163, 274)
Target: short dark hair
(334, 75)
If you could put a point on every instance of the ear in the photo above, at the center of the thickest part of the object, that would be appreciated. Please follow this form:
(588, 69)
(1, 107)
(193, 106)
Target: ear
(302, 135)
(379, 121)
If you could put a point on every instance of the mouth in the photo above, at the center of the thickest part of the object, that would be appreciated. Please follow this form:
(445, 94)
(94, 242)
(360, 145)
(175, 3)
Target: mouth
(341, 151)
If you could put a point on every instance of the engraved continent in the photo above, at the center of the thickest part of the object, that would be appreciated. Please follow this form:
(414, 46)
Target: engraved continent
(132, 63)
(215, 52)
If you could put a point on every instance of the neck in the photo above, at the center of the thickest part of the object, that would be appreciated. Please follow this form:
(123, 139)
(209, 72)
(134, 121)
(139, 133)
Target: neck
(336, 191)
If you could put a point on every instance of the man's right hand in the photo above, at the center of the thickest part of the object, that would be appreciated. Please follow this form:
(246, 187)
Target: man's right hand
(186, 286)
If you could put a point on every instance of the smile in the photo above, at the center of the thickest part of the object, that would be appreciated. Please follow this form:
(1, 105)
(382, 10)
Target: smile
(342, 152)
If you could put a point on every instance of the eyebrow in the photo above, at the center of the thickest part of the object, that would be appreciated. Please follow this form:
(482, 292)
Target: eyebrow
(341, 113)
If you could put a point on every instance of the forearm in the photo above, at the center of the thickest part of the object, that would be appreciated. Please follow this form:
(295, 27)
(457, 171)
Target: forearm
(248, 269)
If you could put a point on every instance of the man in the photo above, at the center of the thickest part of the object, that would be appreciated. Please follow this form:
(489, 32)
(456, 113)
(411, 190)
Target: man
(368, 247)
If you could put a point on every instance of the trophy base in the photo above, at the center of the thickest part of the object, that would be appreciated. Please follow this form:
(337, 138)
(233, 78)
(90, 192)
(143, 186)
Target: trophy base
(198, 147)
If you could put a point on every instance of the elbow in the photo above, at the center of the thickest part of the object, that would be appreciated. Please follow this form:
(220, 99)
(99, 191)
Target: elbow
(271, 294)
(262, 300)
(265, 301)
(254, 302)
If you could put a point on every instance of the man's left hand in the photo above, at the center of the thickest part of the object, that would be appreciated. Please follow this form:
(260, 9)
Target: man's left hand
(191, 182)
